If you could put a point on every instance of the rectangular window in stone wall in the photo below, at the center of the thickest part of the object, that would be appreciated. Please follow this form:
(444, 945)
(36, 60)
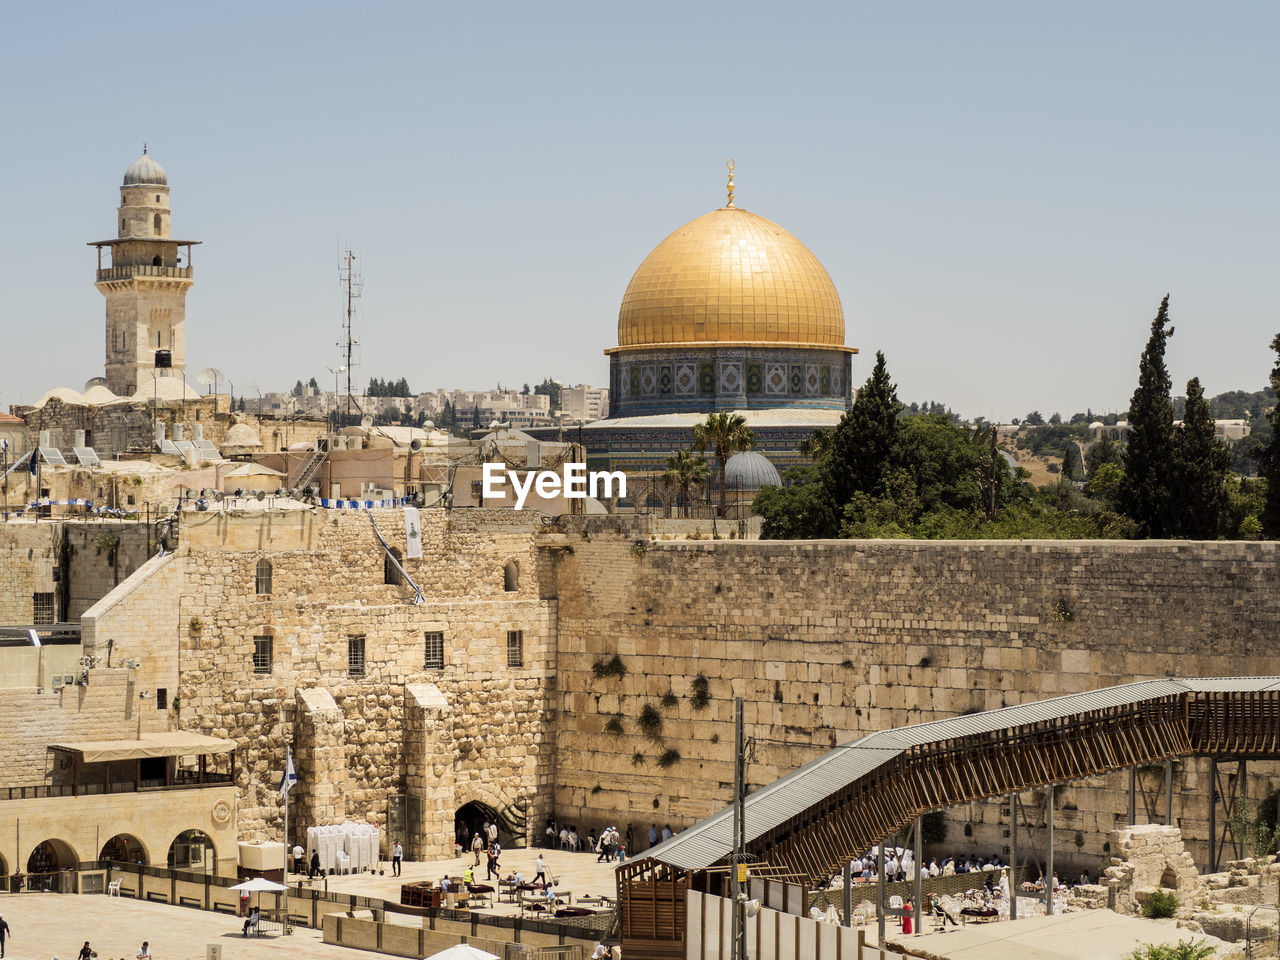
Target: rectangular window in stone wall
(262, 651)
(515, 648)
(162, 698)
(435, 651)
(355, 656)
(42, 608)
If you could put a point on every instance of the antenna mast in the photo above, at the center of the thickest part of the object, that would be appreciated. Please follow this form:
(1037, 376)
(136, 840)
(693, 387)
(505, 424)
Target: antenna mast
(351, 280)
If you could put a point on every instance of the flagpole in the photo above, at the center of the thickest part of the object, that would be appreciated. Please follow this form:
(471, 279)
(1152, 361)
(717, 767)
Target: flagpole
(288, 762)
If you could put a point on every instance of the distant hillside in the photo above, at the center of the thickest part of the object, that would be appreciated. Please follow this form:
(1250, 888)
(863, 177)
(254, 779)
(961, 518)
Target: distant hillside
(1234, 404)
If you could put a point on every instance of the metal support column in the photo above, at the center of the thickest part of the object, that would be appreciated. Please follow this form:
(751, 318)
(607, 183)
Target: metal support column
(1168, 793)
(919, 889)
(739, 942)
(1013, 856)
(1133, 798)
(847, 915)
(880, 893)
(1048, 865)
(1213, 814)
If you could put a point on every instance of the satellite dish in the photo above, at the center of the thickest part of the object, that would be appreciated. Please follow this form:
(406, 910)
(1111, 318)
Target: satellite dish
(94, 382)
(209, 376)
(260, 496)
(366, 422)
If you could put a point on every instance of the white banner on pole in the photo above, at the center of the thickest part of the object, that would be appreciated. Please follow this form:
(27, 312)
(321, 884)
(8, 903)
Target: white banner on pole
(412, 534)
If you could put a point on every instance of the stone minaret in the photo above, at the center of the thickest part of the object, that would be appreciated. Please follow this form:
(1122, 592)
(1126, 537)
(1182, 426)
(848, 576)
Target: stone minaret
(145, 283)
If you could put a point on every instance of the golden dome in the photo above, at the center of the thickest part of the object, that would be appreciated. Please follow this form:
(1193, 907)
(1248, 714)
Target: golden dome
(731, 276)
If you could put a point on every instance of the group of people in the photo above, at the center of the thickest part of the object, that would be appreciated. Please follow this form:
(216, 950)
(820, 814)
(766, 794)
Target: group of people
(900, 865)
(610, 846)
(485, 843)
(618, 844)
(86, 952)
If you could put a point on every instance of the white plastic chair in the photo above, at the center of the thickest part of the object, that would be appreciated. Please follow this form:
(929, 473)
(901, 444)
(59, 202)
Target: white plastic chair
(896, 902)
(113, 888)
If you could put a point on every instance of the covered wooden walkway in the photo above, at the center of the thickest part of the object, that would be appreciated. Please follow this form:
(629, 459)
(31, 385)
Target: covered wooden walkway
(811, 823)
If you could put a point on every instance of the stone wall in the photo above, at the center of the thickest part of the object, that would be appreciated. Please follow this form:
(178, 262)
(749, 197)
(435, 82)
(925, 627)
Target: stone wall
(327, 587)
(107, 708)
(87, 568)
(828, 641)
(28, 557)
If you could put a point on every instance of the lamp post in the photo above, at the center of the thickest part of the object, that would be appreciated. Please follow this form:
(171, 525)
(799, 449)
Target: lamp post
(335, 373)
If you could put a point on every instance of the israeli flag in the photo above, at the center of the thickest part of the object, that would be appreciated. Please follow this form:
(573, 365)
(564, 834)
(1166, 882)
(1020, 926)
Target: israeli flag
(290, 778)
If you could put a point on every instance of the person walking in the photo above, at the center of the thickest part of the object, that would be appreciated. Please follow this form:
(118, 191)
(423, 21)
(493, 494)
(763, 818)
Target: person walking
(541, 875)
(397, 855)
(315, 865)
(87, 952)
(491, 867)
(4, 933)
(298, 855)
(653, 835)
(477, 847)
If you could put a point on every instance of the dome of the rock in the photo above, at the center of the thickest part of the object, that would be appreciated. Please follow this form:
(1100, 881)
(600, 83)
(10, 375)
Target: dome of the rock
(731, 276)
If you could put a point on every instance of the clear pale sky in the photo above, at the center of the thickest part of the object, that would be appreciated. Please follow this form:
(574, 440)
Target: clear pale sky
(1002, 192)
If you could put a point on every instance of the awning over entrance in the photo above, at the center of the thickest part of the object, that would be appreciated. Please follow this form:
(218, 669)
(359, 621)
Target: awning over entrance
(175, 743)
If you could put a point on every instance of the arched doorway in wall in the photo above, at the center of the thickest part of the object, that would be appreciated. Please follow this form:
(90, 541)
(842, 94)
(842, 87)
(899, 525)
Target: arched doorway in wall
(46, 859)
(470, 819)
(193, 851)
(124, 847)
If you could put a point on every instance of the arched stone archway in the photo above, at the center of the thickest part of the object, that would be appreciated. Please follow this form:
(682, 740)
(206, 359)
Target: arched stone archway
(126, 848)
(476, 804)
(511, 576)
(193, 850)
(1169, 879)
(47, 858)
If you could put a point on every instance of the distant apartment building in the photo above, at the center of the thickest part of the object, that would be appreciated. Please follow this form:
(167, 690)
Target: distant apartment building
(585, 402)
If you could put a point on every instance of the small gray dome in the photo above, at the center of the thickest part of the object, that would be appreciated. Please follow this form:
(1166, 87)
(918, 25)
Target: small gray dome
(750, 471)
(145, 170)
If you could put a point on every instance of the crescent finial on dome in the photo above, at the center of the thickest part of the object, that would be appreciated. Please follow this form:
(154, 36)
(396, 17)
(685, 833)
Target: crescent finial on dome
(730, 166)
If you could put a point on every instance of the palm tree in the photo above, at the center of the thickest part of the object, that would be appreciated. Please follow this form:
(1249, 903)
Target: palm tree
(724, 434)
(683, 471)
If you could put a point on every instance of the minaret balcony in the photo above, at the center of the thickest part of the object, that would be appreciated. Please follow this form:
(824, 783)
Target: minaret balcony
(143, 270)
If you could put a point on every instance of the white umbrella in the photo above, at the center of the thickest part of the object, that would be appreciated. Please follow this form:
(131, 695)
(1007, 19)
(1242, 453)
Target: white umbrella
(463, 951)
(260, 885)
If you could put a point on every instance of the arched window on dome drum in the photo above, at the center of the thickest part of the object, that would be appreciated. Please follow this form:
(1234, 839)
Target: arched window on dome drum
(511, 577)
(262, 579)
(156, 223)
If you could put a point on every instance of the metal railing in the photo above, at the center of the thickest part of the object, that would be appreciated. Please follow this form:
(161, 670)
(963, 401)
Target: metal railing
(43, 790)
(143, 270)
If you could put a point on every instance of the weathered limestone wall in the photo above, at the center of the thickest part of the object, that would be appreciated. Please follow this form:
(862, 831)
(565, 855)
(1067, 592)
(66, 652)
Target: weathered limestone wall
(141, 620)
(107, 708)
(30, 552)
(828, 641)
(28, 556)
(101, 555)
(327, 586)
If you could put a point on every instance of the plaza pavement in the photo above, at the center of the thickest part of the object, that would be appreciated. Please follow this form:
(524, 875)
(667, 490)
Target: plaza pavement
(46, 925)
(578, 872)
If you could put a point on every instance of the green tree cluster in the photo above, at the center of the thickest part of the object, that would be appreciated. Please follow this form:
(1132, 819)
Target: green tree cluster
(552, 390)
(882, 474)
(388, 388)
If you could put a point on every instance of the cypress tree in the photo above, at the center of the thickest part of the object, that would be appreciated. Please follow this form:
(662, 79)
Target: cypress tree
(1202, 462)
(1147, 492)
(1269, 457)
(864, 439)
